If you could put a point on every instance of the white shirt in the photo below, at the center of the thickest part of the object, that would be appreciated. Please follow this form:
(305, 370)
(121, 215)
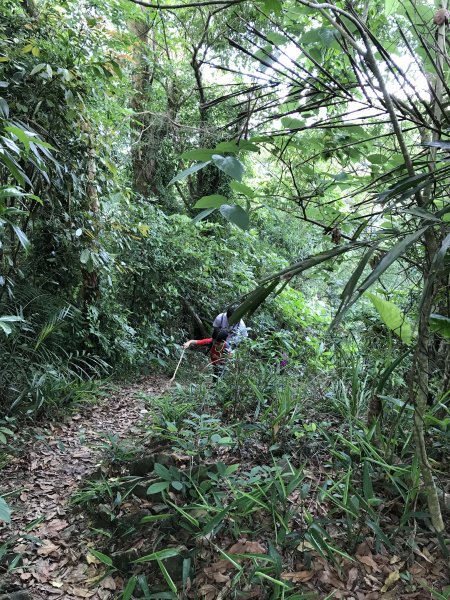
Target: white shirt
(236, 332)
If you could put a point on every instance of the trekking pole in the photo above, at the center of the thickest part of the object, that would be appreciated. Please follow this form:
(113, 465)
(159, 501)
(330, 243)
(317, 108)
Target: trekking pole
(179, 363)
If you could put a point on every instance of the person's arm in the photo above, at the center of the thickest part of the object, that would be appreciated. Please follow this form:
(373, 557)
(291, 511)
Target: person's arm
(204, 342)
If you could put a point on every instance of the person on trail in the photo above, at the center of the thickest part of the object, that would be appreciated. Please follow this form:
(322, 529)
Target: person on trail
(236, 333)
(219, 349)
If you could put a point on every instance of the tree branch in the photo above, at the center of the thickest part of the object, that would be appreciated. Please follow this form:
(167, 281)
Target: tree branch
(188, 4)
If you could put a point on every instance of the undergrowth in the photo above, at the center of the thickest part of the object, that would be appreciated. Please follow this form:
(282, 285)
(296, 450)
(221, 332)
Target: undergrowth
(260, 486)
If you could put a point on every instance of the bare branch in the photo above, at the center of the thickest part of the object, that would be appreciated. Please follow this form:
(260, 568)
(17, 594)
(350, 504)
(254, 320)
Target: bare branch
(188, 4)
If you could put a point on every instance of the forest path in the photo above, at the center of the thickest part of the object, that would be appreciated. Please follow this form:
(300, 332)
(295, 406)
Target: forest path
(55, 563)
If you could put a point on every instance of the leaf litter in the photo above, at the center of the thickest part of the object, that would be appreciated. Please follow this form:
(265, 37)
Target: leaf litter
(51, 539)
(58, 560)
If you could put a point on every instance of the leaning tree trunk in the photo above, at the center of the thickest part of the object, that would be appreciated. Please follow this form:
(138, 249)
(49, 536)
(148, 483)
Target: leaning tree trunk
(420, 369)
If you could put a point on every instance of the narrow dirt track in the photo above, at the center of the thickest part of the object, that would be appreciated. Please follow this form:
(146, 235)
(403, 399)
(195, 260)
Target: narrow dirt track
(56, 563)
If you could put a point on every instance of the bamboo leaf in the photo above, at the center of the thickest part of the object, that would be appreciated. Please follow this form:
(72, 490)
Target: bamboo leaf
(130, 587)
(106, 560)
(159, 555)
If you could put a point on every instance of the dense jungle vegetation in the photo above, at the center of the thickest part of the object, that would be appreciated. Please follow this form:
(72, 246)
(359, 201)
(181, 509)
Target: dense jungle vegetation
(160, 162)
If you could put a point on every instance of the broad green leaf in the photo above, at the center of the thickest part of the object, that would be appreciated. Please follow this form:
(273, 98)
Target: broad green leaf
(5, 511)
(235, 214)
(241, 188)
(200, 154)
(101, 557)
(390, 6)
(213, 201)
(377, 159)
(230, 165)
(202, 215)
(155, 488)
(231, 147)
(392, 317)
(189, 171)
(291, 123)
(274, 6)
(248, 146)
(277, 38)
(440, 324)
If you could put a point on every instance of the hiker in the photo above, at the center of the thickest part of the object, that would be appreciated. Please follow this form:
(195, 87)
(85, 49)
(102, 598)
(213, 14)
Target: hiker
(219, 349)
(236, 333)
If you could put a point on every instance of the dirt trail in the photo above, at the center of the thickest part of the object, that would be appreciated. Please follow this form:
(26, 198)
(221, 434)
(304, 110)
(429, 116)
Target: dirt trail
(55, 562)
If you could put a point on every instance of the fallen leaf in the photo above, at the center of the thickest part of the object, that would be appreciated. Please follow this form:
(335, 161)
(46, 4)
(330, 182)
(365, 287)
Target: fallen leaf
(245, 547)
(390, 580)
(369, 562)
(48, 548)
(91, 559)
(207, 591)
(81, 592)
(305, 546)
(352, 577)
(297, 576)
(53, 527)
(217, 568)
(329, 578)
(108, 583)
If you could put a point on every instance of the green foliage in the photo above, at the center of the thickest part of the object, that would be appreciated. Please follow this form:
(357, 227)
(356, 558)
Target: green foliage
(392, 317)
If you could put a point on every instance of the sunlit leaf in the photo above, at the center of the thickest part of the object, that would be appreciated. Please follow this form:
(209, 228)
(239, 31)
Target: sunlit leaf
(392, 317)
(213, 201)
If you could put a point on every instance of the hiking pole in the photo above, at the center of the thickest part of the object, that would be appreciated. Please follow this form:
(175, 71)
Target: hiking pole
(179, 363)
